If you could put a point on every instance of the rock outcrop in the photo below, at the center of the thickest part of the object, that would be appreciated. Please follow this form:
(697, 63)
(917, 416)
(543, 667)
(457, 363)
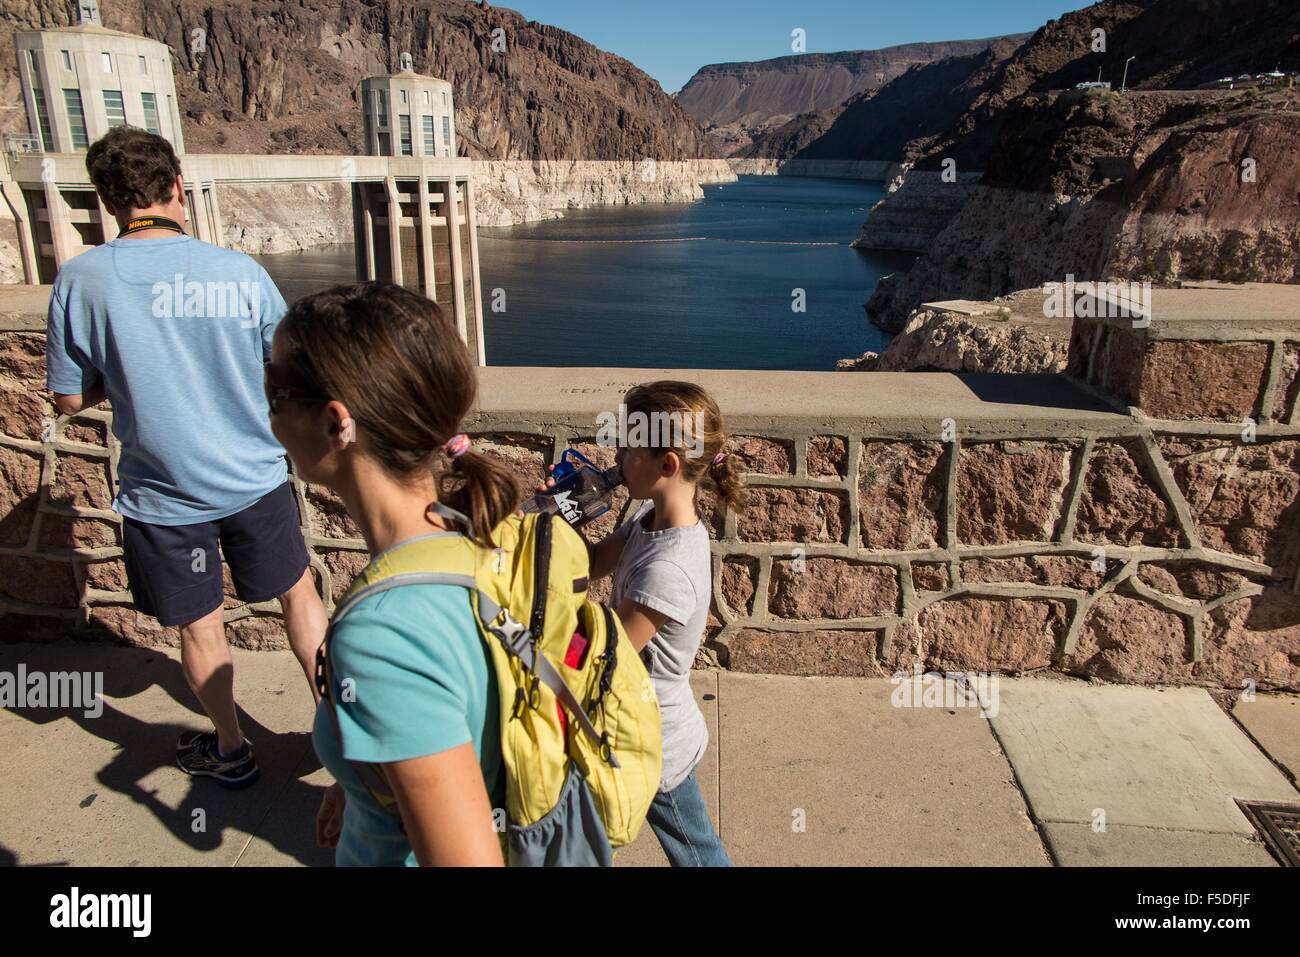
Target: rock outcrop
(916, 208)
(285, 216)
(1009, 335)
(1178, 44)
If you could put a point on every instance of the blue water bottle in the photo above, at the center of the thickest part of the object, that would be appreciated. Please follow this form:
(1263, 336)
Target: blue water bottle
(582, 492)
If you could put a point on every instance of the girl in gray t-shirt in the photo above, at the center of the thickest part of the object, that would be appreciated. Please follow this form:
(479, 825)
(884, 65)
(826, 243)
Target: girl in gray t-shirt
(660, 559)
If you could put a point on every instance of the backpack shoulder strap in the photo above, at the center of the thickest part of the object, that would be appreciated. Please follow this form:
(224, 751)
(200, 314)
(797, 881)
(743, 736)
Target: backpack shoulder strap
(518, 641)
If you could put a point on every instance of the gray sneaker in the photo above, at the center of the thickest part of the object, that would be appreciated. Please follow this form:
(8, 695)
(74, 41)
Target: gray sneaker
(197, 755)
(189, 740)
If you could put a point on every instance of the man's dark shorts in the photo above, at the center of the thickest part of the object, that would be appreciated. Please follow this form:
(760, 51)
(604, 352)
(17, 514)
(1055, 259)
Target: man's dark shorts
(175, 570)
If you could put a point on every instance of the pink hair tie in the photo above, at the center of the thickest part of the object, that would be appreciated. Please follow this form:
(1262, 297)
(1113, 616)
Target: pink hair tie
(457, 445)
(719, 457)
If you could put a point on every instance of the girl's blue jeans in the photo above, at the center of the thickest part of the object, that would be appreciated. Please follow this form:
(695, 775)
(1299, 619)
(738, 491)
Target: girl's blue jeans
(680, 820)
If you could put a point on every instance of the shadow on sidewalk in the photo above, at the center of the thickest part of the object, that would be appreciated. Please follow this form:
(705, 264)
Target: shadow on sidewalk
(143, 747)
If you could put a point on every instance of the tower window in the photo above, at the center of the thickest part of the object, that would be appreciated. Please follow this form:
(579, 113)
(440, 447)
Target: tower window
(43, 120)
(114, 110)
(150, 104)
(404, 131)
(76, 119)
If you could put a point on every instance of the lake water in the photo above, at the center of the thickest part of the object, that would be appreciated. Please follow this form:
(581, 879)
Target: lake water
(711, 284)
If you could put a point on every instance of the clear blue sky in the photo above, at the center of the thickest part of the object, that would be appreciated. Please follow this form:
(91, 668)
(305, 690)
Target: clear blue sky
(671, 39)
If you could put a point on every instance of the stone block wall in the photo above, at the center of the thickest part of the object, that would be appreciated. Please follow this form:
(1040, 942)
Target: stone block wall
(1107, 556)
(1204, 371)
(1104, 545)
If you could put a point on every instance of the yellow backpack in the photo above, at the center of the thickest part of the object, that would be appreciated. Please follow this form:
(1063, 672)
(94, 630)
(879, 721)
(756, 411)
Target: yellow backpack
(578, 781)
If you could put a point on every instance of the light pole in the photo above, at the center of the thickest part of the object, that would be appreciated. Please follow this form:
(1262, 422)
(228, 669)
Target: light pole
(1123, 86)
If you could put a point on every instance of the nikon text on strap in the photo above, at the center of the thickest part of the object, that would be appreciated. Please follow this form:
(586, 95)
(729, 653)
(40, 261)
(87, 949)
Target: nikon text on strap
(141, 223)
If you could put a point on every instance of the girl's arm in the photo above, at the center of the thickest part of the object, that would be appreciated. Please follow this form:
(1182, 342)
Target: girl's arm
(445, 809)
(640, 622)
(604, 555)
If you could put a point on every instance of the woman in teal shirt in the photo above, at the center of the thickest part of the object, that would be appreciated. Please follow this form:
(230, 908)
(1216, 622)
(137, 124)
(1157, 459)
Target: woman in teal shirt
(367, 386)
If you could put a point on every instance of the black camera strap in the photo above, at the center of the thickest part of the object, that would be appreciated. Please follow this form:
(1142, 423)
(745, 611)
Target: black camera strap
(141, 223)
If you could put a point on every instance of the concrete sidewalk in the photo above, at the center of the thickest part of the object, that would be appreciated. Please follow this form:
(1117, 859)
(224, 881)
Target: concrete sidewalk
(811, 771)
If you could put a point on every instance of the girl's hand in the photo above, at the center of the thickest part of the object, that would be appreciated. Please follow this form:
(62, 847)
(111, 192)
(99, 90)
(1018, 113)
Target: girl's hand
(550, 480)
(329, 819)
(543, 487)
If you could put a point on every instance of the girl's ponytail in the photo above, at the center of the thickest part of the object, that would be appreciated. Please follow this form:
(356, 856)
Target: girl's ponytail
(728, 486)
(703, 460)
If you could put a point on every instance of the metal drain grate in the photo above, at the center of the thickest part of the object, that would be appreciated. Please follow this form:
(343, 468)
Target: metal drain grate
(1279, 824)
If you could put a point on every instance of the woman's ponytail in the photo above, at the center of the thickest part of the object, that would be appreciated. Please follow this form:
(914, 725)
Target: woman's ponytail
(483, 489)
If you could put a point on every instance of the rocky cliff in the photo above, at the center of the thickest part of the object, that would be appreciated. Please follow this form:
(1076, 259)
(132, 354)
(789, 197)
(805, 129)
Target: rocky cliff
(1155, 184)
(1160, 187)
(282, 76)
(916, 208)
(739, 101)
(898, 121)
(289, 216)
(1176, 44)
(516, 191)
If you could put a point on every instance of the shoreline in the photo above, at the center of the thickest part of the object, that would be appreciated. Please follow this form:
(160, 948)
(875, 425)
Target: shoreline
(309, 215)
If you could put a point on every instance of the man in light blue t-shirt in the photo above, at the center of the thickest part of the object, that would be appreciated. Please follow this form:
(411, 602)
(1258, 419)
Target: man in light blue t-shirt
(175, 334)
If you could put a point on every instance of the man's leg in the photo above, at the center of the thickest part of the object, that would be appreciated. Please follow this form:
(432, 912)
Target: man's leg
(206, 662)
(268, 559)
(175, 575)
(305, 621)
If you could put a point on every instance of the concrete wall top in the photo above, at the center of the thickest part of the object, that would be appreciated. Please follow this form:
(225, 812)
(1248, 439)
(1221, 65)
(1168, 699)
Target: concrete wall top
(1215, 311)
(915, 404)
